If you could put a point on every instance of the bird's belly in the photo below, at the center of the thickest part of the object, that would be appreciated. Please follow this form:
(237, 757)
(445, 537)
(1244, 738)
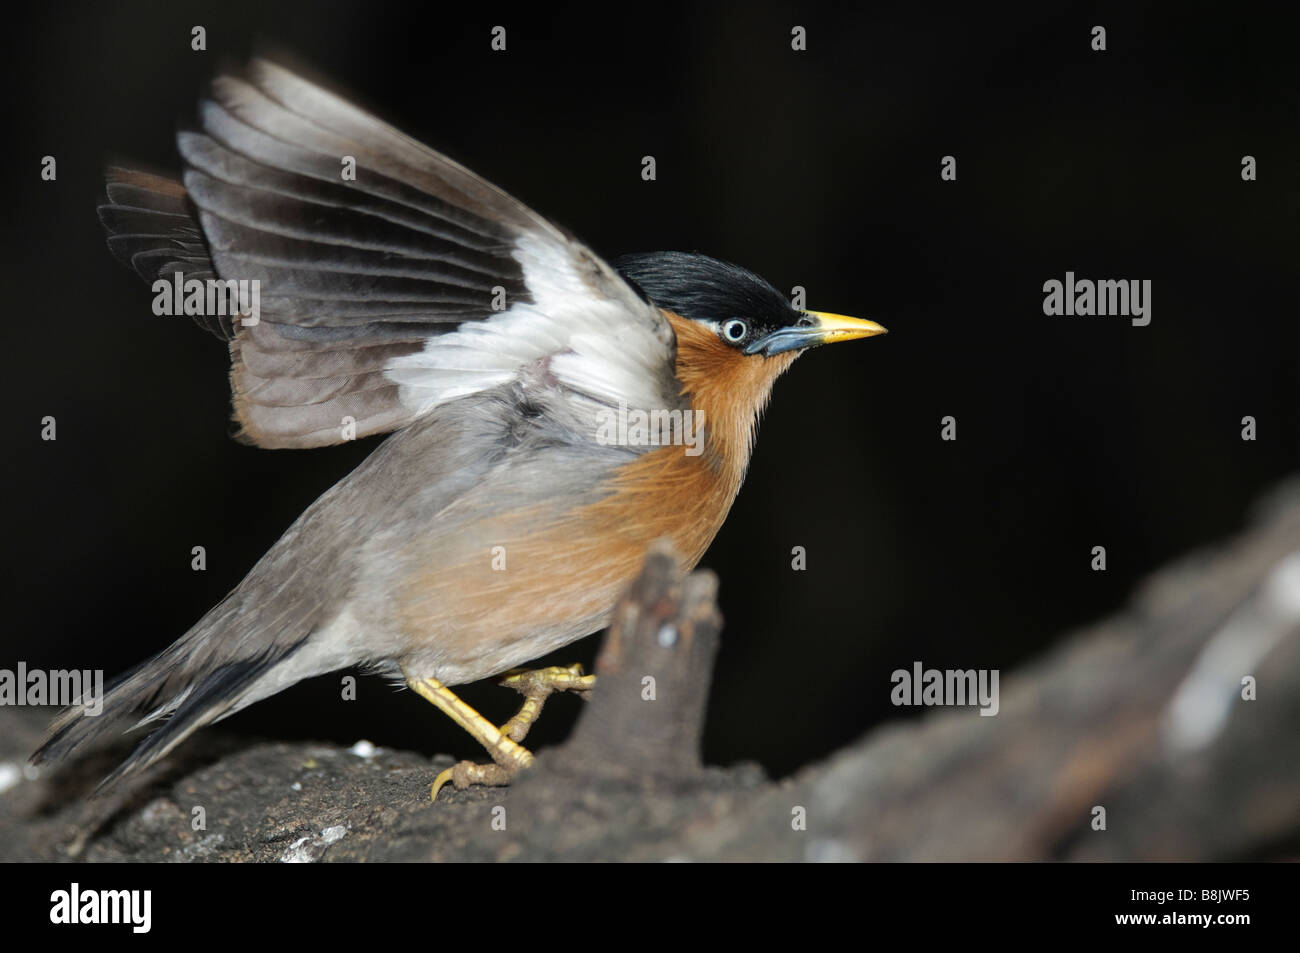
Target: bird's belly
(494, 586)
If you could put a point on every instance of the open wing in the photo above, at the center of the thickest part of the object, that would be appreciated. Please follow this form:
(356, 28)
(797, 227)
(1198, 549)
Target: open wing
(385, 293)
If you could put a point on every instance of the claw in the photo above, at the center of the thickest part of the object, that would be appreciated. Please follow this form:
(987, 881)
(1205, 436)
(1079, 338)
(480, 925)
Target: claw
(502, 743)
(465, 773)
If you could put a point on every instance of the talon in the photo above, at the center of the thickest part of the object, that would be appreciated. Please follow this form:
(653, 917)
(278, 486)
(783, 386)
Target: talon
(442, 778)
(466, 773)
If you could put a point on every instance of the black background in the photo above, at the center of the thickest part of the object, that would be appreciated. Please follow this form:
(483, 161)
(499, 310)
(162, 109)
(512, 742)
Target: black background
(816, 168)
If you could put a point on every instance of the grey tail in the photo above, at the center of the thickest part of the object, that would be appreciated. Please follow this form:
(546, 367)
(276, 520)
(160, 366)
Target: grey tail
(181, 689)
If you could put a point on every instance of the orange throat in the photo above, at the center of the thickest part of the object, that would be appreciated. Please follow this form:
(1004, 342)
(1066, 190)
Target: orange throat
(730, 389)
(668, 493)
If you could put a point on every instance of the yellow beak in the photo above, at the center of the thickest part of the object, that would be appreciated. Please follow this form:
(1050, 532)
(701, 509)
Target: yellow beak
(823, 328)
(837, 327)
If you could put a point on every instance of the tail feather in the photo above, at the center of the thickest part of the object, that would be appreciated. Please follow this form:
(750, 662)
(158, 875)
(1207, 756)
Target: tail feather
(182, 687)
(222, 663)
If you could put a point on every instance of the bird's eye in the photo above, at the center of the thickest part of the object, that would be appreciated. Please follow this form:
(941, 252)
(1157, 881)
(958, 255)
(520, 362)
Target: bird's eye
(735, 330)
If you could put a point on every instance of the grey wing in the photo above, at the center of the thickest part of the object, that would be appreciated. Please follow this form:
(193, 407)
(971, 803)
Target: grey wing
(391, 279)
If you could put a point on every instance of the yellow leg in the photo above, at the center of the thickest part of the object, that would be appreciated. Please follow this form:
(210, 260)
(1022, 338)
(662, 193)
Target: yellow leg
(502, 743)
(509, 757)
(536, 686)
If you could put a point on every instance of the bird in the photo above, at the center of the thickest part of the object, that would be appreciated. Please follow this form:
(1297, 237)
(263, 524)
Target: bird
(549, 416)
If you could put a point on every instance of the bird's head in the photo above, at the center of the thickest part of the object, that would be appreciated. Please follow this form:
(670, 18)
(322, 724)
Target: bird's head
(744, 312)
(735, 335)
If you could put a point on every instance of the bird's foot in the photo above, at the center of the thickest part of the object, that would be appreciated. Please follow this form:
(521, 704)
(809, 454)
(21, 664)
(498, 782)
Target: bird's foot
(508, 756)
(536, 686)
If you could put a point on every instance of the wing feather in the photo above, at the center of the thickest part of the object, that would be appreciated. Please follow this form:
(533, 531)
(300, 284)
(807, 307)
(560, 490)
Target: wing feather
(382, 295)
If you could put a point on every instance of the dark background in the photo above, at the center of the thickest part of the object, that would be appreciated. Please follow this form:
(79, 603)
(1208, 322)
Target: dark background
(818, 168)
